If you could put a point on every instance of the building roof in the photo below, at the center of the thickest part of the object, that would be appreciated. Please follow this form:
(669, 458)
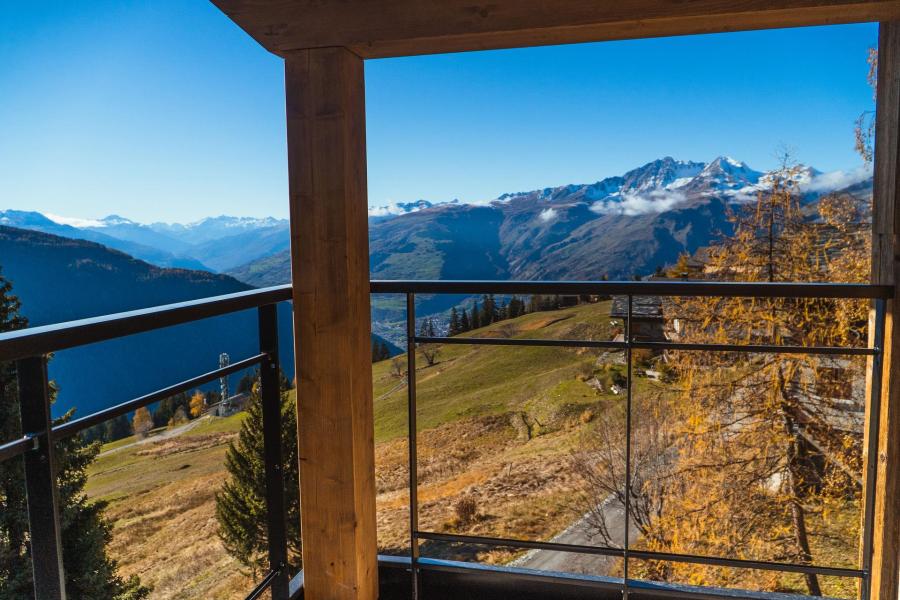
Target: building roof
(642, 307)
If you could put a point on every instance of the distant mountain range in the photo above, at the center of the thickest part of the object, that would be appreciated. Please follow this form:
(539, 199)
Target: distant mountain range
(214, 244)
(618, 227)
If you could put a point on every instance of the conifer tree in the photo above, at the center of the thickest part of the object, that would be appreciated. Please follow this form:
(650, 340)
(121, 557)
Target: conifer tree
(427, 329)
(179, 418)
(475, 319)
(168, 407)
(489, 312)
(245, 384)
(502, 311)
(90, 573)
(241, 503)
(464, 324)
(116, 429)
(454, 326)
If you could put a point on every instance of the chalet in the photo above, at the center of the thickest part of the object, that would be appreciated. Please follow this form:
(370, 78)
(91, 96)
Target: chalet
(647, 320)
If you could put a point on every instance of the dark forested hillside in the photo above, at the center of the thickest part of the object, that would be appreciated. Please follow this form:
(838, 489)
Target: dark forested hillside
(60, 279)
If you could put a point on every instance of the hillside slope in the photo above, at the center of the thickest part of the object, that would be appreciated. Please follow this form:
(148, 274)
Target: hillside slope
(497, 424)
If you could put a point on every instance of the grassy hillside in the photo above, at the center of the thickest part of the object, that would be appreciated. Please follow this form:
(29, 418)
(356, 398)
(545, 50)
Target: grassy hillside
(496, 426)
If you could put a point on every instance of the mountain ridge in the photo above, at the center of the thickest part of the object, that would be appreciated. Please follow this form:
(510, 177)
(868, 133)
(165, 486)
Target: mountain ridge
(616, 227)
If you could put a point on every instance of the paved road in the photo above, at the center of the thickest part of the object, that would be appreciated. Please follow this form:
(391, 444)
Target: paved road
(168, 433)
(579, 533)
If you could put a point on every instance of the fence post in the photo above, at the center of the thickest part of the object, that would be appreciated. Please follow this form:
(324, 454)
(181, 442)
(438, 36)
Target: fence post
(270, 395)
(40, 480)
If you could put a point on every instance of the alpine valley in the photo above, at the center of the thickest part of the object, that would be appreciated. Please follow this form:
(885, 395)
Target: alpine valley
(65, 268)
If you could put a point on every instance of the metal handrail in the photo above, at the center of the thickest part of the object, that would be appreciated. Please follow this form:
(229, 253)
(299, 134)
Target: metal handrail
(24, 345)
(632, 289)
(29, 349)
(672, 287)
(35, 341)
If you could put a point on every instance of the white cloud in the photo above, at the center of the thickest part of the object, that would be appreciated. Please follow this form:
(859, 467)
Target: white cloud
(632, 205)
(74, 221)
(836, 180)
(384, 211)
(547, 215)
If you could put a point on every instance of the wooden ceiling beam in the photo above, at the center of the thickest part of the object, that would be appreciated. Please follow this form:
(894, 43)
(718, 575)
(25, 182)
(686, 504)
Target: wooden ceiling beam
(388, 28)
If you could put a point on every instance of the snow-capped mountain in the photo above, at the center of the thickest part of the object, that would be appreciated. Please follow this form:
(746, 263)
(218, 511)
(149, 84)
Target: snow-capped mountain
(665, 183)
(214, 243)
(615, 226)
(724, 174)
(395, 209)
(211, 228)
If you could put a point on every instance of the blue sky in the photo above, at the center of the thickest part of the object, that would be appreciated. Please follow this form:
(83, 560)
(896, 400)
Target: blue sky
(164, 110)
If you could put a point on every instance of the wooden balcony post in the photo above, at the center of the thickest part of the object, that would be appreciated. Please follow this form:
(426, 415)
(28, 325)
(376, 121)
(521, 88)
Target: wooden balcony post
(885, 268)
(330, 257)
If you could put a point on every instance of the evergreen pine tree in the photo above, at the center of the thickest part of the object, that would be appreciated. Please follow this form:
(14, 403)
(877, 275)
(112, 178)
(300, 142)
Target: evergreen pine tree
(116, 429)
(241, 503)
(515, 308)
(245, 384)
(164, 411)
(488, 310)
(476, 316)
(464, 324)
(454, 326)
(90, 573)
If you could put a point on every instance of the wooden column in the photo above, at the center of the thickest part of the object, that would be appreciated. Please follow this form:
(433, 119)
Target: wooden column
(330, 258)
(885, 268)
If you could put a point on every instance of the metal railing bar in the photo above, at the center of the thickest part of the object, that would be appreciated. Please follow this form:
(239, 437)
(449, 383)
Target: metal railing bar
(628, 431)
(263, 585)
(40, 470)
(643, 554)
(73, 427)
(51, 338)
(740, 563)
(757, 348)
(17, 447)
(747, 348)
(60, 336)
(521, 342)
(524, 544)
(638, 288)
(412, 441)
(270, 395)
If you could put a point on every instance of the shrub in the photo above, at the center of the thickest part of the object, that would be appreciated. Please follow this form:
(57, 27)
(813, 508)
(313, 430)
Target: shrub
(466, 509)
